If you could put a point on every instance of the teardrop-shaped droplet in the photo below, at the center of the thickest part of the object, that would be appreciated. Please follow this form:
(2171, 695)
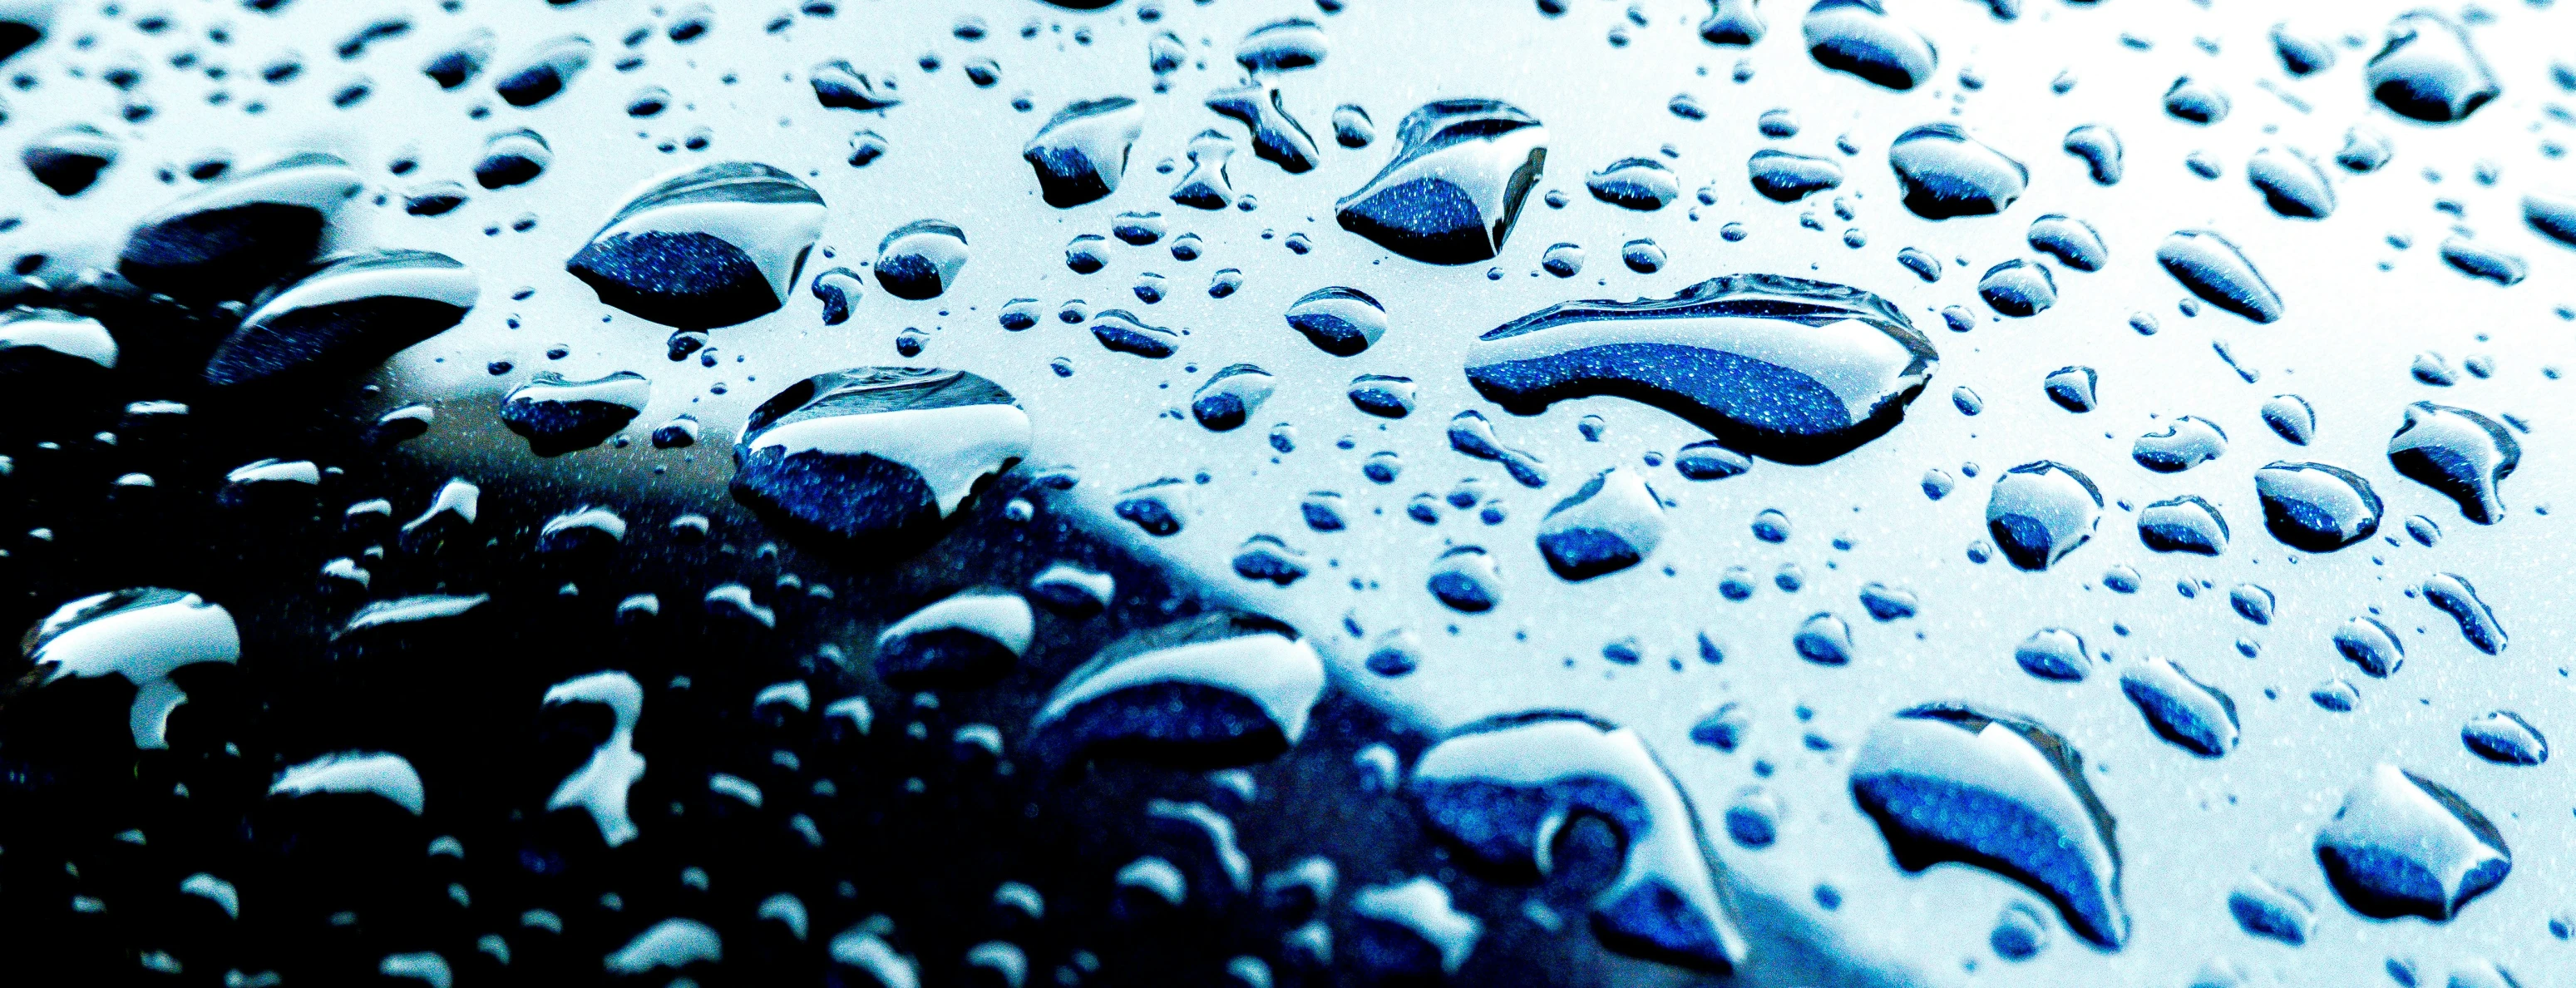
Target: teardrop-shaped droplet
(1949, 782)
(2216, 271)
(1340, 321)
(968, 639)
(2291, 418)
(1783, 368)
(710, 247)
(2429, 72)
(68, 159)
(2018, 288)
(1455, 186)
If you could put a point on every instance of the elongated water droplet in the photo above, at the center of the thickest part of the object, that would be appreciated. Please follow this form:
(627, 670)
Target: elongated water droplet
(2216, 271)
(710, 247)
(877, 452)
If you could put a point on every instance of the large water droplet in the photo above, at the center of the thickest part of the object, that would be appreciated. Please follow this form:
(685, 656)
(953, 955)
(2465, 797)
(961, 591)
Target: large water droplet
(232, 239)
(969, 639)
(1791, 370)
(1500, 791)
(1949, 782)
(2404, 845)
(558, 416)
(142, 635)
(2186, 443)
(2428, 71)
(920, 260)
(1857, 36)
(1456, 184)
(348, 316)
(2464, 455)
(710, 247)
(1223, 688)
(877, 452)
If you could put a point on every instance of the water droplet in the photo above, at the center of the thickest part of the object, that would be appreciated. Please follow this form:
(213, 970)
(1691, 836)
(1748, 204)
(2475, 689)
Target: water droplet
(2195, 101)
(1732, 22)
(1823, 639)
(2054, 653)
(1383, 395)
(543, 72)
(971, 638)
(839, 86)
(557, 416)
(2291, 184)
(1857, 36)
(142, 635)
(920, 260)
(2216, 271)
(2366, 643)
(232, 239)
(2478, 260)
(1409, 933)
(1952, 783)
(2301, 53)
(1230, 395)
(1455, 186)
(2018, 288)
(2099, 147)
(350, 315)
(1352, 127)
(1339, 321)
(2041, 511)
(2270, 911)
(1635, 183)
(2071, 241)
(2428, 71)
(2462, 454)
(877, 452)
(1466, 579)
(706, 248)
(2504, 738)
(1613, 522)
(68, 159)
(2194, 715)
(1948, 174)
(2071, 388)
(1217, 690)
(1282, 45)
(2453, 595)
(2552, 214)
(2183, 524)
(1784, 177)
(1499, 791)
(1277, 137)
(1786, 369)
(2313, 507)
(2292, 418)
(2404, 845)
(2364, 150)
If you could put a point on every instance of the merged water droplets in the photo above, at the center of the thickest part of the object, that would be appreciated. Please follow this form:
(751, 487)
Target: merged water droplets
(2313, 507)
(1206, 185)
(1950, 782)
(2041, 511)
(2404, 845)
(710, 247)
(1455, 186)
(1277, 137)
(1500, 791)
(1081, 153)
(2462, 454)
(2099, 148)
(1783, 368)
(1948, 174)
(877, 455)
(141, 635)
(1223, 688)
